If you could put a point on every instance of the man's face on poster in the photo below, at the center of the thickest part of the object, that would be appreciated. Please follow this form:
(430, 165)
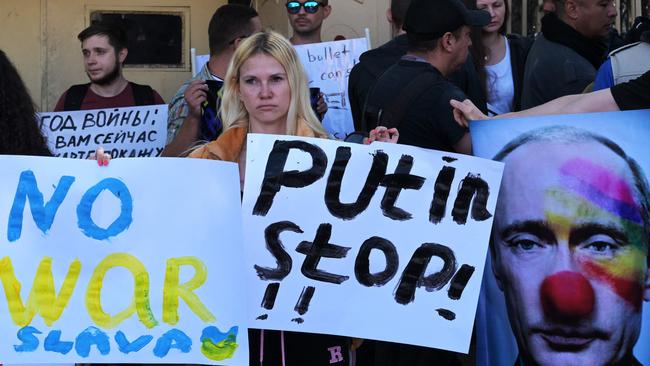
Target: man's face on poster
(570, 253)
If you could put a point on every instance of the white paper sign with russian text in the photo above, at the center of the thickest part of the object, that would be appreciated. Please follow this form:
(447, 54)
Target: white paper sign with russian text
(123, 132)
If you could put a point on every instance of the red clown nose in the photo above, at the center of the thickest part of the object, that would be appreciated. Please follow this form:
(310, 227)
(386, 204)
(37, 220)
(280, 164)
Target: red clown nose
(567, 295)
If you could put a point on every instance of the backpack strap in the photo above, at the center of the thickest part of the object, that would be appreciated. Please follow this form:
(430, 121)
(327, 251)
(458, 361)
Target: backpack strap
(142, 94)
(75, 96)
(393, 114)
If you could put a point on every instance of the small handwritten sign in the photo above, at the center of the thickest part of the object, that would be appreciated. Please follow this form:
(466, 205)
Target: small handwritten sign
(122, 132)
(328, 65)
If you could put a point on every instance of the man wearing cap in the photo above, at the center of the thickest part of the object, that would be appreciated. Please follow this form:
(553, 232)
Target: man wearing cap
(413, 95)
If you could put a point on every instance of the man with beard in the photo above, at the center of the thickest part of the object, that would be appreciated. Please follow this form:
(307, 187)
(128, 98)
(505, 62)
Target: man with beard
(571, 47)
(306, 19)
(104, 50)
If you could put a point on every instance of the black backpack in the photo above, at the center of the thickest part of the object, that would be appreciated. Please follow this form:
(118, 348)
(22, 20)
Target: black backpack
(142, 95)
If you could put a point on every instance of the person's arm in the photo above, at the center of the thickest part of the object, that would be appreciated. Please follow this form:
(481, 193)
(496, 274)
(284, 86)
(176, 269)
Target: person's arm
(188, 133)
(598, 101)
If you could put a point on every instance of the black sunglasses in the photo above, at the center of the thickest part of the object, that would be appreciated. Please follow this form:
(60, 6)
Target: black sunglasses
(293, 7)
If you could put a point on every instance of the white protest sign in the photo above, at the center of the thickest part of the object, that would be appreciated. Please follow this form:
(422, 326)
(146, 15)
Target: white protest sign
(132, 263)
(123, 132)
(328, 66)
(383, 241)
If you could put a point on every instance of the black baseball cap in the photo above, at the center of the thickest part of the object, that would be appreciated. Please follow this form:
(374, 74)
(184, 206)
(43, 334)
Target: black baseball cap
(430, 19)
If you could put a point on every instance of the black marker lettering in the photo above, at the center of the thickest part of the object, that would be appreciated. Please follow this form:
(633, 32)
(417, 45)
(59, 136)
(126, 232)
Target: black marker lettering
(274, 245)
(447, 314)
(394, 184)
(275, 176)
(321, 248)
(413, 275)
(348, 211)
(270, 295)
(302, 306)
(459, 281)
(471, 186)
(362, 263)
(441, 194)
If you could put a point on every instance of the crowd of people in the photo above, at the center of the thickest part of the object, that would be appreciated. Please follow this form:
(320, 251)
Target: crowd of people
(450, 62)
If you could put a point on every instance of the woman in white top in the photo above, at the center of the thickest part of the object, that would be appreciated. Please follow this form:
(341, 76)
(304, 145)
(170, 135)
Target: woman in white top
(501, 60)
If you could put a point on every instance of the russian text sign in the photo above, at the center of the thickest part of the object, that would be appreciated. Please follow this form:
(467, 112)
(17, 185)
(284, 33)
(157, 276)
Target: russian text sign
(123, 132)
(381, 242)
(328, 66)
(130, 263)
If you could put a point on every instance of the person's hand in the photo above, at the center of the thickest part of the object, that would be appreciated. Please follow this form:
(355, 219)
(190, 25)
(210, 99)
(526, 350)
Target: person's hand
(382, 134)
(103, 158)
(195, 94)
(321, 106)
(466, 111)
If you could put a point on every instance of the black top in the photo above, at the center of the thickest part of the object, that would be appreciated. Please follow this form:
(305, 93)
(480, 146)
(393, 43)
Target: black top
(371, 65)
(300, 349)
(429, 120)
(634, 94)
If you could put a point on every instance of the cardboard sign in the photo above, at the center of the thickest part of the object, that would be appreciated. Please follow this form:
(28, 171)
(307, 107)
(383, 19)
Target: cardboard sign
(328, 66)
(571, 239)
(123, 132)
(380, 242)
(132, 263)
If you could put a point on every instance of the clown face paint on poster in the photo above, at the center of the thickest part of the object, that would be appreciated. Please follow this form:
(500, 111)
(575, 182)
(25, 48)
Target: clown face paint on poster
(571, 254)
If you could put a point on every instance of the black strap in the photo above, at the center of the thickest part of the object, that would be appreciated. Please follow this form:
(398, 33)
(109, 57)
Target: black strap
(142, 95)
(393, 114)
(74, 97)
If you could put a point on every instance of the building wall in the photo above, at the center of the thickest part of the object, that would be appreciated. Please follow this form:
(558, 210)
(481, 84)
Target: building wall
(39, 36)
(20, 39)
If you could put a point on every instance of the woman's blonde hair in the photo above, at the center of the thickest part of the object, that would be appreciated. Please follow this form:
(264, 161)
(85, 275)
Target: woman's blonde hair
(275, 45)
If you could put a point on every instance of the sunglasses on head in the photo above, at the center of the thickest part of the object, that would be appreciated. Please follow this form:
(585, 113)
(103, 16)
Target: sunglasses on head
(293, 7)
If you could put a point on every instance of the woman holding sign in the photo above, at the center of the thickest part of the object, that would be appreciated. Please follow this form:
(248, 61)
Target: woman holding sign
(266, 91)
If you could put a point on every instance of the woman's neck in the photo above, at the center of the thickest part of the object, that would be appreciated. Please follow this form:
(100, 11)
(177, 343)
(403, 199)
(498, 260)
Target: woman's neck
(278, 127)
(495, 45)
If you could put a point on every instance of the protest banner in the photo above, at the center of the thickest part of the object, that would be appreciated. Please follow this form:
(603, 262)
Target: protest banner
(128, 263)
(570, 241)
(123, 132)
(378, 241)
(328, 66)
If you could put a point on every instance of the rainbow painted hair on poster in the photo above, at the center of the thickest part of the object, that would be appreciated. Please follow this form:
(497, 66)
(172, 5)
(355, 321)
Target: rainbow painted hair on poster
(573, 135)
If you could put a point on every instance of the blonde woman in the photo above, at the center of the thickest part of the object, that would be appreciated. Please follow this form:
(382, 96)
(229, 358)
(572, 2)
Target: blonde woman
(266, 91)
